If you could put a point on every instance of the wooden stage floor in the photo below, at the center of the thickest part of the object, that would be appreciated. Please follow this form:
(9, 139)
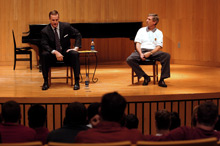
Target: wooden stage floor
(25, 84)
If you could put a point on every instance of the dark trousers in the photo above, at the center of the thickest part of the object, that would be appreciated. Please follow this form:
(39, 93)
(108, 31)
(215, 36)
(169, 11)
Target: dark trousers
(162, 57)
(70, 59)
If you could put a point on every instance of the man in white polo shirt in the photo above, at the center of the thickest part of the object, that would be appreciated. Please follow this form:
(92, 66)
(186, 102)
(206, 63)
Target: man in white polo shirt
(149, 41)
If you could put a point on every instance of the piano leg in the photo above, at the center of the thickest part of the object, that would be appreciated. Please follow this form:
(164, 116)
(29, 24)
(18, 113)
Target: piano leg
(38, 56)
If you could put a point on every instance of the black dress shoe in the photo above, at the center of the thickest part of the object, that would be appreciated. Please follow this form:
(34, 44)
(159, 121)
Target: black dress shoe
(76, 87)
(162, 83)
(45, 86)
(146, 81)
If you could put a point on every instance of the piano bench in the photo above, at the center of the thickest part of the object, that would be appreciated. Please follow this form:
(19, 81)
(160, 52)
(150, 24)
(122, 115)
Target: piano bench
(69, 75)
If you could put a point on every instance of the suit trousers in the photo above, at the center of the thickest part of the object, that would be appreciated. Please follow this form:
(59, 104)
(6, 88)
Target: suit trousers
(162, 57)
(70, 59)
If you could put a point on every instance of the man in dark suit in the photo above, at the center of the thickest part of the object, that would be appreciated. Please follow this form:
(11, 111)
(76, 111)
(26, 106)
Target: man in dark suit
(57, 47)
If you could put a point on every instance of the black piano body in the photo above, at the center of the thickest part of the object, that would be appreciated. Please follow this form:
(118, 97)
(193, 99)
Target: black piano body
(88, 30)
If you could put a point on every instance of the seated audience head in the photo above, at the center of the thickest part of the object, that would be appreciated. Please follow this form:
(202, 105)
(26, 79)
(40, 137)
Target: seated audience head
(194, 115)
(207, 114)
(11, 112)
(162, 119)
(175, 120)
(112, 107)
(0, 118)
(37, 116)
(131, 121)
(217, 125)
(75, 114)
(93, 114)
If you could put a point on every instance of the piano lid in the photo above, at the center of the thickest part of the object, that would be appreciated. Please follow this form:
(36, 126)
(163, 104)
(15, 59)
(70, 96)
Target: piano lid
(91, 30)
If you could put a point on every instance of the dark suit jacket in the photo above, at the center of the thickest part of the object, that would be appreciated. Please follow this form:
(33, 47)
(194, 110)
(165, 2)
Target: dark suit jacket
(66, 32)
(65, 134)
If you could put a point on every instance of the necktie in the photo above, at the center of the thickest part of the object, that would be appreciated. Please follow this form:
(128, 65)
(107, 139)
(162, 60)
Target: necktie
(57, 40)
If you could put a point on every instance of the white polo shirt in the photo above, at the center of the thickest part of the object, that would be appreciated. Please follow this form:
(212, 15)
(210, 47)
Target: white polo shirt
(149, 39)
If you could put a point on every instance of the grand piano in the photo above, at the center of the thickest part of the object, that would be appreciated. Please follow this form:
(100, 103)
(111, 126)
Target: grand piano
(88, 30)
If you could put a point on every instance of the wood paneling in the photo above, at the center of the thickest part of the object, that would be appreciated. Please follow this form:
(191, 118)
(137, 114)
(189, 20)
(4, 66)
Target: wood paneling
(191, 23)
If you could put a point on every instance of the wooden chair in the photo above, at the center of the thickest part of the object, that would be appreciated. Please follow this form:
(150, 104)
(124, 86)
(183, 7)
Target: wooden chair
(122, 143)
(154, 63)
(67, 77)
(198, 142)
(35, 143)
(21, 51)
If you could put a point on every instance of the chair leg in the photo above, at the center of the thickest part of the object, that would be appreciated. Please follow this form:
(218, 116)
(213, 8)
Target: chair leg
(71, 73)
(157, 72)
(154, 77)
(49, 76)
(31, 60)
(132, 76)
(67, 74)
(14, 62)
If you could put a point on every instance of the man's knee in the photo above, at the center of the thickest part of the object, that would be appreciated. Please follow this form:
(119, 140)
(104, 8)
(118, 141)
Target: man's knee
(45, 55)
(129, 60)
(73, 53)
(167, 56)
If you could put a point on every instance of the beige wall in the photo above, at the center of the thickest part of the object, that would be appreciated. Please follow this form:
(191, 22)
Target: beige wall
(191, 23)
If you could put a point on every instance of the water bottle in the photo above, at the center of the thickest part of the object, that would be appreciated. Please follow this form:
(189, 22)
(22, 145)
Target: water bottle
(92, 45)
(87, 80)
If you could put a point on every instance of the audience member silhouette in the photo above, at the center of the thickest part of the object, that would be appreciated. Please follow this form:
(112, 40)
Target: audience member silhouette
(131, 121)
(175, 120)
(0, 124)
(110, 129)
(74, 122)
(205, 121)
(0, 118)
(37, 116)
(217, 125)
(162, 120)
(93, 114)
(11, 131)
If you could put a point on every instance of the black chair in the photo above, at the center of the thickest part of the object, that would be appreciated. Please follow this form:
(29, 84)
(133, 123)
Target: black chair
(21, 51)
(154, 63)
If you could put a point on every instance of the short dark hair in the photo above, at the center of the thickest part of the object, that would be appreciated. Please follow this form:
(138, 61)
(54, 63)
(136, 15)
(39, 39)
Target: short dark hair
(131, 121)
(113, 107)
(0, 118)
(75, 114)
(54, 12)
(162, 118)
(207, 113)
(93, 109)
(37, 115)
(11, 111)
(175, 120)
(155, 18)
(217, 125)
